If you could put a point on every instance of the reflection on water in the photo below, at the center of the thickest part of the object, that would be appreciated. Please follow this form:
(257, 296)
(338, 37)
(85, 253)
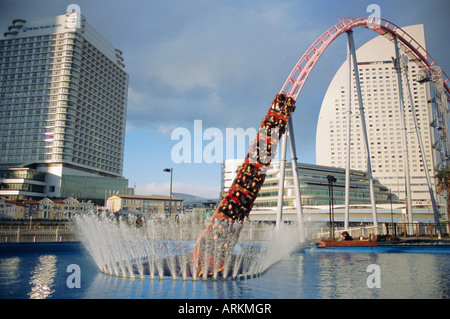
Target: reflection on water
(106, 287)
(301, 275)
(410, 276)
(43, 277)
(9, 270)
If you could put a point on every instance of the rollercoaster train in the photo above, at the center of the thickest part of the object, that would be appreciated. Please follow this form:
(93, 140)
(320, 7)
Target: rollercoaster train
(218, 239)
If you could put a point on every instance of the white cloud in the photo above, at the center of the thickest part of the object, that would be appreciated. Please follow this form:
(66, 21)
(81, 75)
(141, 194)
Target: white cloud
(135, 97)
(223, 60)
(166, 129)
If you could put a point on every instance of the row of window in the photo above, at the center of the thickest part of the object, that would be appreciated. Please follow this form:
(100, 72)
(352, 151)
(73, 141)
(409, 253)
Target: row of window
(325, 192)
(37, 38)
(41, 62)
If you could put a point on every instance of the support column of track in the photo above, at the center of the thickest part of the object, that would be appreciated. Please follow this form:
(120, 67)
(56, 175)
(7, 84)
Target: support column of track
(404, 136)
(364, 130)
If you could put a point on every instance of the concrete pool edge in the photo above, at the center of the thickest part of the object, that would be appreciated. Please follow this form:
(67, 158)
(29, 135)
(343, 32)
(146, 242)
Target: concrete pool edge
(412, 246)
(27, 247)
(442, 246)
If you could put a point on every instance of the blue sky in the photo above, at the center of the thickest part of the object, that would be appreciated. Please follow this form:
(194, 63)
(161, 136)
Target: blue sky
(222, 62)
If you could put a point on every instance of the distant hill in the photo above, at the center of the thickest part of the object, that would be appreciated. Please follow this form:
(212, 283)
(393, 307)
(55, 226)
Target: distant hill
(192, 198)
(188, 197)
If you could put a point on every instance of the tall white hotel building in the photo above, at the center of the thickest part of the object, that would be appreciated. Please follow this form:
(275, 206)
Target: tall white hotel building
(382, 114)
(63, 103)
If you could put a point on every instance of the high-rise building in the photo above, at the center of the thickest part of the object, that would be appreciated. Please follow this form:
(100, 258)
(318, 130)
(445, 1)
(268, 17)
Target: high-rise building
(380, 95)
(63, 103)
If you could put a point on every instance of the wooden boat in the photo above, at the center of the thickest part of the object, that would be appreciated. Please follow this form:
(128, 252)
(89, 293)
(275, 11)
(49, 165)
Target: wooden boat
(347, 243)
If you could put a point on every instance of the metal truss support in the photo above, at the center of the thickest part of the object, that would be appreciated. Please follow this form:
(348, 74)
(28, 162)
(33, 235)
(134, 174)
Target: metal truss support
(364, 129)
(421, 147)
(295, 176)
(349, 121)
(298, 196)
(404, 133)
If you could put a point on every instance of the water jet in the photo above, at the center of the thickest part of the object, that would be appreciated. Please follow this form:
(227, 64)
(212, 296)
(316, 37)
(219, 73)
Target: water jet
(120, 248)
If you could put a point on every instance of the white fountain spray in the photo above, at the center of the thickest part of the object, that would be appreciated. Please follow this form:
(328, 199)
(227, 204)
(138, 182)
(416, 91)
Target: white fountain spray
(163, 247)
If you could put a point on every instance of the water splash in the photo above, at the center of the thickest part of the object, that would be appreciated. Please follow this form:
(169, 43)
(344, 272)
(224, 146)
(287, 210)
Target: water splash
(162, 247)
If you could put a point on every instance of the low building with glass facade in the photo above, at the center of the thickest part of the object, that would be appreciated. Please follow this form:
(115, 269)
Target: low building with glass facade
(315, 195)
(314, 187)
(24, 183)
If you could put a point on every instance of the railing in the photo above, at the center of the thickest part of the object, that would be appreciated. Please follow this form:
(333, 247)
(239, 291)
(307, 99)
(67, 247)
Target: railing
(399, 230)
(355, 232)
(16, 234)
(429, 230)
(33, 234)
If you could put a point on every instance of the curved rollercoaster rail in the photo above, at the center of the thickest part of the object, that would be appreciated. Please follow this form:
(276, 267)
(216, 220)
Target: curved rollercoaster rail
(217, 241)
(415, 52)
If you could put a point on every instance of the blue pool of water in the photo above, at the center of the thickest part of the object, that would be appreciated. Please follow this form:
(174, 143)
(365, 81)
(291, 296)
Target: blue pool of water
(41, 271)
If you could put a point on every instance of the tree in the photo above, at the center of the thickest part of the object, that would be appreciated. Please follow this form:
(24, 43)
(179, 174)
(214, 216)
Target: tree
(443, 184)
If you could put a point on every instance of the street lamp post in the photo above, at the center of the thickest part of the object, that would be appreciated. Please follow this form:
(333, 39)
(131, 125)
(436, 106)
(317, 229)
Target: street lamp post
(331, 180)
(392, 213)
(170, 198)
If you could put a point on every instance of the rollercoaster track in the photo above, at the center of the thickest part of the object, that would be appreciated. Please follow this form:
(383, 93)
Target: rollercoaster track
(416, 53)
(218, 239)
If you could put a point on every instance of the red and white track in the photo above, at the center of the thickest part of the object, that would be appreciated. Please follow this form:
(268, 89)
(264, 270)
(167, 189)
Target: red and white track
(416, 53)
(217, 241)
